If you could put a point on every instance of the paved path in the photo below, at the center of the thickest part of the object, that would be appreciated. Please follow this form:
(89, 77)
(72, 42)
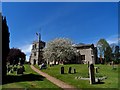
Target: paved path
(57, 82)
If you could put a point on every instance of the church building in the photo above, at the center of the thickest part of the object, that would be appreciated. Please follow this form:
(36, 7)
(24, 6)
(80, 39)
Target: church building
(88, 53)
(36, 56)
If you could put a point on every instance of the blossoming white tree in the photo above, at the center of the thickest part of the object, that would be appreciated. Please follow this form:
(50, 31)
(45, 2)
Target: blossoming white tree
(59, 49)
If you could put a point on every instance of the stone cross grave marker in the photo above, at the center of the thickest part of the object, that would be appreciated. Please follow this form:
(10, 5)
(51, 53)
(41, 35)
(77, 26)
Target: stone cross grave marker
(91, 74)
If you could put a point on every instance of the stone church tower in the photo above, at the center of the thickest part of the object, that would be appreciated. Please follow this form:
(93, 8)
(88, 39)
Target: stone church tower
(36, 56)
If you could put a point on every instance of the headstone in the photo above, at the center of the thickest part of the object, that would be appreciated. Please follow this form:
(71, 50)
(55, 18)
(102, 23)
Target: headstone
(20, 71)
(96, 69)
(62, 70)
(74, 70)
(70, 69)
(91, 74)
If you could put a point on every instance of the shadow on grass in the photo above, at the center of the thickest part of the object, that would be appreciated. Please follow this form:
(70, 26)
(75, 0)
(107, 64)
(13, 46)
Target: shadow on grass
(99, 82)
(24, 77)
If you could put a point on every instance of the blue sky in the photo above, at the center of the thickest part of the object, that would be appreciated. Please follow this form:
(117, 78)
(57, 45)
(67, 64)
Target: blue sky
(82, 22)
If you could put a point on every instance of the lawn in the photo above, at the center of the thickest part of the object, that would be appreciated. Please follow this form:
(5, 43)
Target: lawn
(82, 70)
(30, 79)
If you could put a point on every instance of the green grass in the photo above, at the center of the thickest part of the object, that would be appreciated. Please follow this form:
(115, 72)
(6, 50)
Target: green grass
(82, 70)
(30, 79)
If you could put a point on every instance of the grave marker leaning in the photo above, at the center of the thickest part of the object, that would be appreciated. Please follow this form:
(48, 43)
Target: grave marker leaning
(91, 74)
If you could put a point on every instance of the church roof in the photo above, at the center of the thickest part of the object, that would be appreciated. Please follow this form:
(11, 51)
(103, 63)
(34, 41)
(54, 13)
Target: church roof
(83, 45)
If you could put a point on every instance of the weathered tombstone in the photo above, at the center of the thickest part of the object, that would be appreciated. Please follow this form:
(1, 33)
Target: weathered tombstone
(70, 69)
(96, 69)
(91, 74)
(20, 71)
(62, 70)
(74, 70)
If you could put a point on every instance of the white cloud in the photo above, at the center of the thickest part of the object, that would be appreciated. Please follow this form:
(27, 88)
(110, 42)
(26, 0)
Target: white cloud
(27, 50)
(27, 57)
(113, 39)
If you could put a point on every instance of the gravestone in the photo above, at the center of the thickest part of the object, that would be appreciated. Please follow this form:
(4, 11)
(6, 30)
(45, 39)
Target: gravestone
(74, 70)
(20, 71)
(96, 69)
(70, 69)
(62, 70)
(91, 74)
